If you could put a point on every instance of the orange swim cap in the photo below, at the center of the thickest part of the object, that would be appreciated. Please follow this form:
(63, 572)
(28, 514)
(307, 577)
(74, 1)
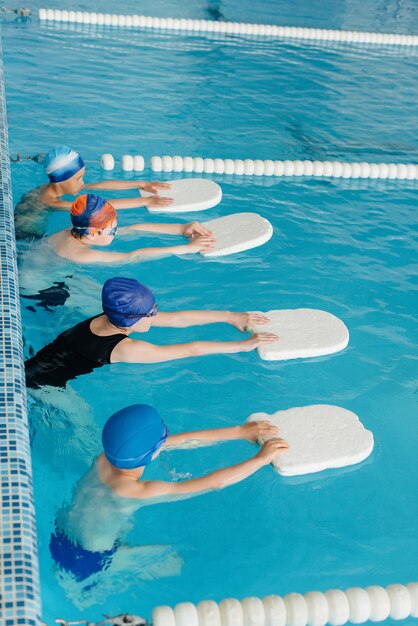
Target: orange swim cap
(90, 211)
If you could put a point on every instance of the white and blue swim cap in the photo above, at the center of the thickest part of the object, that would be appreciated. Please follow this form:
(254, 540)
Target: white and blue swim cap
(61, 163)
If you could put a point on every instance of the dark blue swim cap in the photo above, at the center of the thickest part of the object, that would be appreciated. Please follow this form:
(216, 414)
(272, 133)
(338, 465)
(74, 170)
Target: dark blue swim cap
(131, 436)
(125, 301)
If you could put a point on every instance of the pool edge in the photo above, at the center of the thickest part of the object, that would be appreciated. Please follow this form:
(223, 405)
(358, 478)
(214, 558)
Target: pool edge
(19, 570)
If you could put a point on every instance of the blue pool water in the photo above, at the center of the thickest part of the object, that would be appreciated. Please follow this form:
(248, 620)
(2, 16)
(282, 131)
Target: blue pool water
(348, 247)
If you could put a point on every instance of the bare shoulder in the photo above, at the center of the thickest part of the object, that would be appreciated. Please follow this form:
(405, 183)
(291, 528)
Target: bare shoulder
(47, 196)
(122, 350)
(110, 477)
(63, 244)
(126, 488)
(58, 239)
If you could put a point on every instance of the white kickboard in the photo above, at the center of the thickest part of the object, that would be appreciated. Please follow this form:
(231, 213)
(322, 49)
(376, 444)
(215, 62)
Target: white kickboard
(302, 333)
(189, 194)
(238, 232)
(320, 436)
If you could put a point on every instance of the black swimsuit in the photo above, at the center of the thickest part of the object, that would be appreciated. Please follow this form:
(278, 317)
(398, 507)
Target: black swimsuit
(74, 352)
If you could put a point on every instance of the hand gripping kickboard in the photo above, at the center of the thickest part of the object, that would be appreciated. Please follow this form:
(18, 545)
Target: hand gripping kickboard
(302, 333)
(238, 232)
(189, 194)
(320, 436)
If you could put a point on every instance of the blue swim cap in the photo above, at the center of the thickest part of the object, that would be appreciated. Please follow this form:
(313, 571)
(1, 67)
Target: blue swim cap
(125, 301)
(61, 163)
(131, 436)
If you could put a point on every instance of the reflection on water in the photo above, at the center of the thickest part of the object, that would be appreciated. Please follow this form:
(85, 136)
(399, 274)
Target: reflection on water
(130, 567)
(348, 247)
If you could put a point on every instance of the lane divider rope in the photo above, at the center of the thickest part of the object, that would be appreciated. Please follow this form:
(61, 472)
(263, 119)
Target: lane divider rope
(258, 167)
(232, 28)
(336, 607)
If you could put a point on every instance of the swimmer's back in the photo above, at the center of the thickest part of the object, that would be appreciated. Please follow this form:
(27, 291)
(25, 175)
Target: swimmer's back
(74, 352)
(31, 215)
(96, 517)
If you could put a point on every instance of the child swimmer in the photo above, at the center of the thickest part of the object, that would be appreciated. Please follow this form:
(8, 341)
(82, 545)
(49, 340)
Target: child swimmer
(89, 531)
(130, 307)
(65, 169)
(94, 223)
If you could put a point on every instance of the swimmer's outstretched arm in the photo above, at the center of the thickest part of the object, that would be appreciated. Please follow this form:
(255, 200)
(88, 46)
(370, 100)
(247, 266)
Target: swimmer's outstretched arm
(133, 203)
(192, 229)
(120, 203)
(251, 431)
(136, 351)
(182, 319)
(142, 254)
(119, 185)
(216, 480)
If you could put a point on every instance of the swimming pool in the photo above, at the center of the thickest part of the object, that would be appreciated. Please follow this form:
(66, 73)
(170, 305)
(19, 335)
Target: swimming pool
(344, 246)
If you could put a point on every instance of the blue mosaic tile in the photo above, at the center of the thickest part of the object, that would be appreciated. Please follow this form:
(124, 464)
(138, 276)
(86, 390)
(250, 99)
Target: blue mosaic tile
(19, 580)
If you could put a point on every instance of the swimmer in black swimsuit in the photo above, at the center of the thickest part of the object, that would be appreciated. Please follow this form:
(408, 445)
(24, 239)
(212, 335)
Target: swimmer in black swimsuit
(130, 307)
(65, 169)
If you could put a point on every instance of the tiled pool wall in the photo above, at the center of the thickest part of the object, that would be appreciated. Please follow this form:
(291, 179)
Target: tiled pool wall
(19, 580)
